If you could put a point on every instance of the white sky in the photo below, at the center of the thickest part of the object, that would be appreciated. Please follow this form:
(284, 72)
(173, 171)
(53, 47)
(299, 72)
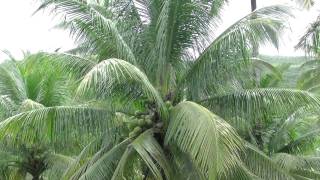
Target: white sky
(20, 31)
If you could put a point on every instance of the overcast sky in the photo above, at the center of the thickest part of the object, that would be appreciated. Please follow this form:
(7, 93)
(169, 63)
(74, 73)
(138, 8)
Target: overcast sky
(20, 31)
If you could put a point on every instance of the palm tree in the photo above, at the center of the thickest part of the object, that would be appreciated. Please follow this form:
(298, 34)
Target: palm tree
(305, 3)
(25, 86)
(309, 43)
(163, 92)
(20, 162)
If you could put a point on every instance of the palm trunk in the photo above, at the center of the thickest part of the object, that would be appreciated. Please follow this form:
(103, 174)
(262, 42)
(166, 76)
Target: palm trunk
(36, 178)
(255, 48)
(253, 5)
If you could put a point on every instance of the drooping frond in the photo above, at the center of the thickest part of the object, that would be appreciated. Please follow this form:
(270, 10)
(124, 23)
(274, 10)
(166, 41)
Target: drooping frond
(225, 54)
(303, 142)
(152, 154)
(309, 77)
(11, 82)
(211, 143)
(57, 164)
(263, 166)
(305, 3)
(110, 75)
(282, 133)
(261, 65)
(304, 166)
(255, 104)
(79, 161)
(70, 63)
(56, 124)
(92, 23)
(91, 153)
(309, 42)
(216, 6)
(105, 166)
(7, 106)
(28, 105)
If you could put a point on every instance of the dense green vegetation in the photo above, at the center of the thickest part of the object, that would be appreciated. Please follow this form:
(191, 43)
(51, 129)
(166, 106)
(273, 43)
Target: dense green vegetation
(151, 92)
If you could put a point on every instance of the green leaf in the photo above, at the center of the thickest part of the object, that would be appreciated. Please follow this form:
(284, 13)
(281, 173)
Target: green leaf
(152, 154)
(255, 104)
(56, 124)
(263, 166)
(105, 167)
(212, 144)
(106, 75)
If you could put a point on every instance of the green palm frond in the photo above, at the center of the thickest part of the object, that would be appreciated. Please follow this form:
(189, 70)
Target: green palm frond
(225, 55)
(79, 161)
(310, 63)
(305, 3)
(28, 105)
(179, 24)
(56, 124)
(309, 42)
(284, 128)
(7, 106)
(92, 23)
(256, 104)
(217, 5)
(57, 164)
(211, 143)
(106, 77)
(263, 166)
(11, 82)
(90, 154)
(105, 166)
(303, 143)
(261, 65)
(304, 166)
(70, 63)
(309, 75)
(152, 154)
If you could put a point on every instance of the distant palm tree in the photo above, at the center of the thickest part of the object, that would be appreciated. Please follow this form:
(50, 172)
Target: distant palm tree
(165, 94)
(305, 3)
(26, 86)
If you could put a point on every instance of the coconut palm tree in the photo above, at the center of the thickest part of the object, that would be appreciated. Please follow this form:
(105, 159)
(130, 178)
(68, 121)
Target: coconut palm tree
(305, 3)
(22, 161)
(309, 43)
(28, 85)
(163, 92)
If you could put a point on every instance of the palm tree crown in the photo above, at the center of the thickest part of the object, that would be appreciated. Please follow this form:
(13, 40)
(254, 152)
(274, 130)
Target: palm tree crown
(162, 96)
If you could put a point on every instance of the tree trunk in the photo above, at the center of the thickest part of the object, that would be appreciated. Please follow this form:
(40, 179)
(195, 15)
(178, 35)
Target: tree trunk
(35, 177)
(253, 5)
(255, 48)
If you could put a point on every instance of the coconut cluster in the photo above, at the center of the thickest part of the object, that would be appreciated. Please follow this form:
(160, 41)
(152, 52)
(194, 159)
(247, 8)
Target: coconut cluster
(139, 122)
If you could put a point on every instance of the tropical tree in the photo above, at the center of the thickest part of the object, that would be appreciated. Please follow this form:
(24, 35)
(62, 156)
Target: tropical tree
(309, 43)
(305, 3)
(25, 86)
(164, 99)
